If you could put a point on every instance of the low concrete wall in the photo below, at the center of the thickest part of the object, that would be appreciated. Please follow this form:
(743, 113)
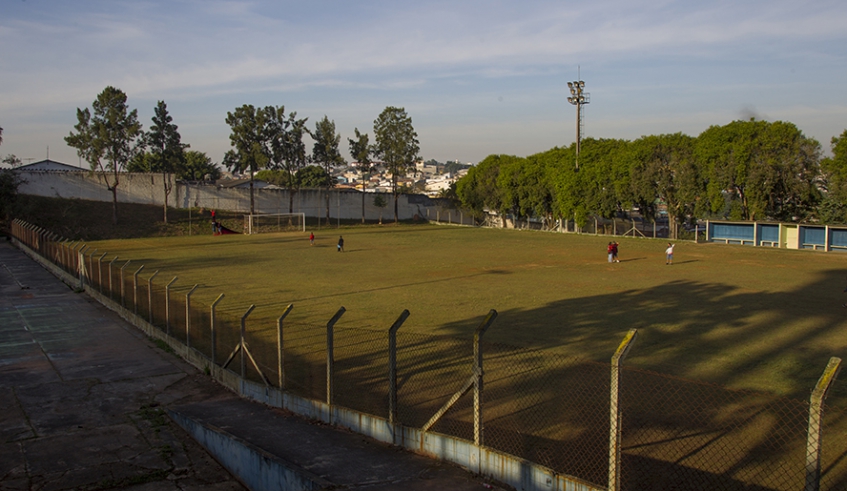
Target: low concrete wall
(257, 469)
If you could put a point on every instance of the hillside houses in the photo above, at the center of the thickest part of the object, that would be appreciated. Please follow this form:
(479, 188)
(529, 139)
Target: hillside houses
(430, 178)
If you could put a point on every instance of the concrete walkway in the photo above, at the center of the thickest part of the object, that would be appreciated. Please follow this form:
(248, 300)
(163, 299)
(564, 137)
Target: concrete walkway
(82, 395)
(85, 398)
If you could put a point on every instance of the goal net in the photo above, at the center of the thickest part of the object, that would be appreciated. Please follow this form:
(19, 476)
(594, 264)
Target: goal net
(262, 223)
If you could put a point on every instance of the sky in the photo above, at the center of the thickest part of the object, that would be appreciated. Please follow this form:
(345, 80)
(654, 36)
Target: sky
(476, 77)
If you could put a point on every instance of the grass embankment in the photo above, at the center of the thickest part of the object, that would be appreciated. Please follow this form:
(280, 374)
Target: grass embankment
(79, 219)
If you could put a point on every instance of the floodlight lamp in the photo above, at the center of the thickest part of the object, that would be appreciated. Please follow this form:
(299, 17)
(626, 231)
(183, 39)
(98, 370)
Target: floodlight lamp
(581, 99)
(570, 99)
(570, 84)
(581, 84)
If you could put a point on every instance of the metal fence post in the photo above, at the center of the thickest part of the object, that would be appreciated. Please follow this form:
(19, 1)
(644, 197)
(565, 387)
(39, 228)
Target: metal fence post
(477, 385)
(188, 316)
(330, 359)
(62, 253)
(243, 344)
(392, 368)
(67, 246)
(150, 296)
(73, 253)
(168, 306)
(100, 272)
(123, 301)
(111, 287)
(813, 438)
(135, 289)
(280, 347)
(615, 412)
(73, 257)
(90, 274)
(81, 266)
(212, 323)
(61, 243)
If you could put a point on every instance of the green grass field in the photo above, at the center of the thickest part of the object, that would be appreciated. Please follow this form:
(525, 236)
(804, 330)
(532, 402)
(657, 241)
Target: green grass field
(742, 317)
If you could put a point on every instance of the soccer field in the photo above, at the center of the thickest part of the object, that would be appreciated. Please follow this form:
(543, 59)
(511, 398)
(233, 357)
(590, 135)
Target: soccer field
(744, 317)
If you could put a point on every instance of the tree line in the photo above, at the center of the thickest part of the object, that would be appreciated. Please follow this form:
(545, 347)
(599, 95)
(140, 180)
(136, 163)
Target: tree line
(745, 170)
(111, 139)
(268, 143)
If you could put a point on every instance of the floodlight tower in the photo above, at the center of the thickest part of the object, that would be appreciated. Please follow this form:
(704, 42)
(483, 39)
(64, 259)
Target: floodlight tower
(578, 98)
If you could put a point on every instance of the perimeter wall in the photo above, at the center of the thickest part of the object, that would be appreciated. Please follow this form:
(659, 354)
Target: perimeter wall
(149, 189)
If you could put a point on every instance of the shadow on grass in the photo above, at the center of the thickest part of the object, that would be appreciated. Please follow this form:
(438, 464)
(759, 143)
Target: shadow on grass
(681, 428)
(553, 409)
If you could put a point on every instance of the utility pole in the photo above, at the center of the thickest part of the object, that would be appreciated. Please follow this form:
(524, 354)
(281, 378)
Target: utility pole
(578, 98)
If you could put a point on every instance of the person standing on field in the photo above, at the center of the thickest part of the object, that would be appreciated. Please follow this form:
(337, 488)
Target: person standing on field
(340, 244)
(669, 253)
(312, 238)
(615, 252)
(610, 251)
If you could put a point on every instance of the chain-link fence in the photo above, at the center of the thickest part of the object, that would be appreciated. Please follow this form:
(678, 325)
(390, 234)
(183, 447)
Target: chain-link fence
(595, 225)
(681, 434)
(556, 411)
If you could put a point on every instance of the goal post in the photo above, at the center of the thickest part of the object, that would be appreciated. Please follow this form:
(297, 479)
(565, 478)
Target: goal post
(262, 223)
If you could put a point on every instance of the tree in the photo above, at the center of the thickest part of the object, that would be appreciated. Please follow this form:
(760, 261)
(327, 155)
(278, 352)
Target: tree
(164, 142)
(452, 167)
(450, 194)
(603, 176)
(9, 182)
(834, 173)
(140, 162)
(380, 203)
(12, 160)
(277, 177)
(197, 166)
(396, 145)
(325, 151)
(110, 135)
(478, 190)
(287, 150)
(249, 142)
(568, 196)
(360, 151)
(663, 169)
(314, 176)
(760, 169)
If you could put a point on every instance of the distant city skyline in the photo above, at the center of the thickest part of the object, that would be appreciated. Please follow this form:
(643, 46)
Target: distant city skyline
(477, 78)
